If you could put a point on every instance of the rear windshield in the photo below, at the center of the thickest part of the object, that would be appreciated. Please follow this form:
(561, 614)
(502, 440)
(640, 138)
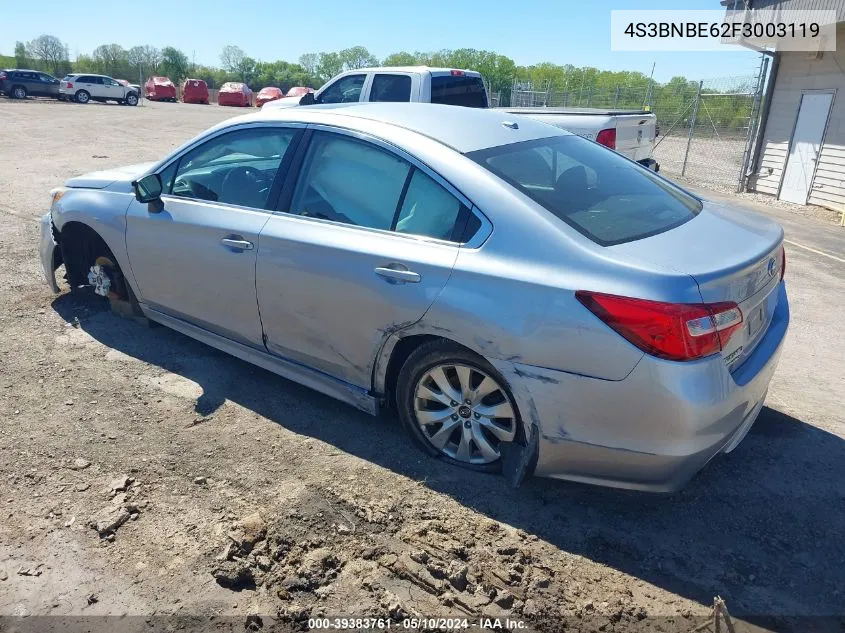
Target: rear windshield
(459, 90)
(606, 197)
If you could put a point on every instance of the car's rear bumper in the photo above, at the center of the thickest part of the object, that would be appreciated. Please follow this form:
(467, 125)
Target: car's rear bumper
(654, 429)
(49, 251)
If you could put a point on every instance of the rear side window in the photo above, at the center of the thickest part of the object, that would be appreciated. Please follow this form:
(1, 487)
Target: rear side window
(593, 189)
(428, 209)
(396, 88)
(459, 90)
(349, 181)
(354, 182)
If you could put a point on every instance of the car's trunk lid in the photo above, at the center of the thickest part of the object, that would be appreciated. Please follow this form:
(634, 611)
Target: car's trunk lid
(102, 179)
(732, 255)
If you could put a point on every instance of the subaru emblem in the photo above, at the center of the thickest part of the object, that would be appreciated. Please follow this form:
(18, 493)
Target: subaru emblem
(771, 267)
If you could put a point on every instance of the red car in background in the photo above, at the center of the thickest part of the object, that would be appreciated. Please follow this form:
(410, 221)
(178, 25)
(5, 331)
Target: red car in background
(195, 91)
(269, 93)
(160, 89)
(298, 91)
(234, 93)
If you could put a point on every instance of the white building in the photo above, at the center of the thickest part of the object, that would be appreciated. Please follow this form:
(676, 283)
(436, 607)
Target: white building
(800, 155)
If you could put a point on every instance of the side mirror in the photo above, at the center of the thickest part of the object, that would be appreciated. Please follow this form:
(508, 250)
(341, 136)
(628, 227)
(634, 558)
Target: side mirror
(148, 188)
(307, 99)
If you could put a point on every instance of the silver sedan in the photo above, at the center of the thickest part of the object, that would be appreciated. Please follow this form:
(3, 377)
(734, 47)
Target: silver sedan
(526, 300)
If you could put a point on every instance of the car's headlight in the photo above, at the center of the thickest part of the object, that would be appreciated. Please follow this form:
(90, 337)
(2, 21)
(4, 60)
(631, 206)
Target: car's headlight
(56, 195)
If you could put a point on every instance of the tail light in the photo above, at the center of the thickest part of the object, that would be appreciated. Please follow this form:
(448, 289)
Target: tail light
(458, 73)
(607, 138)
(3, 76)
(782, 262)
(68, 85)
(674, 331)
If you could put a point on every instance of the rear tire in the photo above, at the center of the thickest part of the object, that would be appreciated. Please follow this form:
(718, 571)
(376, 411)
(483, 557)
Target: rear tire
(82, 97)
(465, 415)
(18, 92)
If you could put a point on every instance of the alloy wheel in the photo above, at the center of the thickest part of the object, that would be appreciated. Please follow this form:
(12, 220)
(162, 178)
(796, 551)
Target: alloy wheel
(464, 413)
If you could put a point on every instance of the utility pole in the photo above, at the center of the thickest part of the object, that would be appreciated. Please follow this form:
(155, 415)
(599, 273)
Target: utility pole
(648, 99)
(692, 126)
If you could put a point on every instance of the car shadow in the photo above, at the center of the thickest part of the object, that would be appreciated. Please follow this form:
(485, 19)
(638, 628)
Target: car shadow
(764, 526)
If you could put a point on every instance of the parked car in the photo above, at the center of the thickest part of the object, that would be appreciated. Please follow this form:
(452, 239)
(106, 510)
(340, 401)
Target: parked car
(268, 94)
(400, 83)
(20, 84)
(160, 89)
(298, 91)
(234, 93)
(525, 298)
(83, 88)
(629, 132)
(126, 83)
(195, 91)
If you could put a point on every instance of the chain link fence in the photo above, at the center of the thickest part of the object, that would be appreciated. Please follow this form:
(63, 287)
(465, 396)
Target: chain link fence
(705, 128)
(708, 128)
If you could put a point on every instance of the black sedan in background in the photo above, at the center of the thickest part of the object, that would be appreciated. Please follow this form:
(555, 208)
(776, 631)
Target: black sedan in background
(19, 84)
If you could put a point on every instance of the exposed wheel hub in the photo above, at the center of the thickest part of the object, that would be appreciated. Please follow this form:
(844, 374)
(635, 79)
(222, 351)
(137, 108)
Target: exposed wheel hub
(98, 278)
(464, 413)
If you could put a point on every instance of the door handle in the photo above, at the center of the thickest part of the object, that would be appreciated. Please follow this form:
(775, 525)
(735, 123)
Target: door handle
(239, 244)
(398, 274)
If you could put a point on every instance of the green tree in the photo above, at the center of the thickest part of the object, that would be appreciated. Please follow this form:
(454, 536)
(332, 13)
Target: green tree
(280, 74)
(309, 62)
(329, 65)
(111, 59)
(357, 57)
(174, 63)
(21, 59)
(50, 54)
(143, 60)
(400, 59)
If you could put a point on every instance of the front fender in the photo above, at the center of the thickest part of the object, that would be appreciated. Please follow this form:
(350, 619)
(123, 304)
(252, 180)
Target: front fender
(105, 213)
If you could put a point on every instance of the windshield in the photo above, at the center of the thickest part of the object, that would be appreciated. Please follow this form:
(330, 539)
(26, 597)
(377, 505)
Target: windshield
(606, 197)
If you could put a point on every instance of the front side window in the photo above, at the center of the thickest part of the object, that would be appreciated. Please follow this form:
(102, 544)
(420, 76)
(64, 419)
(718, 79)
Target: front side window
(350, 181)
(235, 168)
(394, 88)
(593, 189)
(344, 90)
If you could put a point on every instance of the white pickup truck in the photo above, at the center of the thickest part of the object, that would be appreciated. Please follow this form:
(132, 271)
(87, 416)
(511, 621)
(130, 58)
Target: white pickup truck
(629, 132)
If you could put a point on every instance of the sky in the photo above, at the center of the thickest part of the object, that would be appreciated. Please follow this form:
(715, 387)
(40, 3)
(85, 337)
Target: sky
(528, 31)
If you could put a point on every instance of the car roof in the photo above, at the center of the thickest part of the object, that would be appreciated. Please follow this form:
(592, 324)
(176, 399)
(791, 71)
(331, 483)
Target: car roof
(462, 129)
(411, 69)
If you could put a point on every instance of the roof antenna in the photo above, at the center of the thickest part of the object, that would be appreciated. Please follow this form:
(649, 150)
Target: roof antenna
(511, 124)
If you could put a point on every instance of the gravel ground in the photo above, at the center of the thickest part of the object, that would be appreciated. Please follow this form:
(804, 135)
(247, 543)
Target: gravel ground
(145, 474)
